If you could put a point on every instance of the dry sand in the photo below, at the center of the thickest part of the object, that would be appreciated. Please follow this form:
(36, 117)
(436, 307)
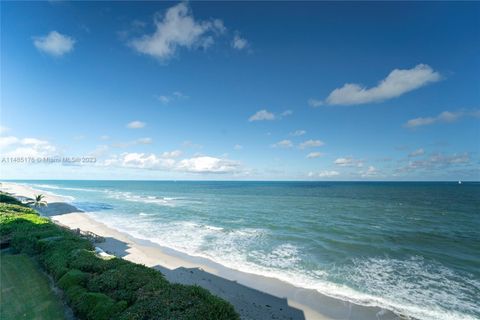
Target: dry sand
(253, 296)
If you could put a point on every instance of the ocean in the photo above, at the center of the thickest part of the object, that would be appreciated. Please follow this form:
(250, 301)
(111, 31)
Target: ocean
(411, 247)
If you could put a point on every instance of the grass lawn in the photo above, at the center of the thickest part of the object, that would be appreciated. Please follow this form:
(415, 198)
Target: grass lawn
(25, 291)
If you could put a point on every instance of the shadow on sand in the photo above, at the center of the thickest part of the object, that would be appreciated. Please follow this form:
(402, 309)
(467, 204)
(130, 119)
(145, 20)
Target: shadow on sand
(248, 302)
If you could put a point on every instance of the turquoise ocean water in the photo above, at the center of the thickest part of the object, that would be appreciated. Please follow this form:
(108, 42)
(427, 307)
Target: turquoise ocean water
(412, 247)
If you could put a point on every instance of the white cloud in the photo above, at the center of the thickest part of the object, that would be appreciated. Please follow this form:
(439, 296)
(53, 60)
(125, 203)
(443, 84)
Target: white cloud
(141, 161)
(104, 137)
(314, 103)
(238, 147)
(286, 113)
(283, 144)
(205, 164)
(27, 147)
(443, 117)
(166, 161)
(371, 171)
(262, 115)
(313, 155)
(176, 95)
(172, 154)
(348, 162)
(398, 82)
(7, 141)
(55, 44)
(239, 43)
(163, 99)
(435, 161)
(177, 28)
(298, 133)
(136, 125)
(311, 144)
(324, 174)
(417, 153)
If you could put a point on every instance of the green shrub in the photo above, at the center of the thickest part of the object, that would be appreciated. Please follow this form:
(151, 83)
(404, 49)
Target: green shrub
(124, 281)
(98, 289)
(6, 198)
(73, 278)
(96, 306)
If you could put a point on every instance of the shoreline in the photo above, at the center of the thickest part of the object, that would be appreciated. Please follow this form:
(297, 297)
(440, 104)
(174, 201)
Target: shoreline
(253, 296)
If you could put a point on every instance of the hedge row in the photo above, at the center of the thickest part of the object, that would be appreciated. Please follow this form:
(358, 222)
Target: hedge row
(99, 289)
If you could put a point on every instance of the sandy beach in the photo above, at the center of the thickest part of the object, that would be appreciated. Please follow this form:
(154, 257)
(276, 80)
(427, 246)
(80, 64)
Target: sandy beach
(253, 296)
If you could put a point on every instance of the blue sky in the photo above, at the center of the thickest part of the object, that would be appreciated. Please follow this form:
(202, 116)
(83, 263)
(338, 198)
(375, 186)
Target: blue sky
(242, 90)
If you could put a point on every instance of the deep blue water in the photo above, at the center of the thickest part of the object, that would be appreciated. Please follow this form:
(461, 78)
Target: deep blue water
(413, 247)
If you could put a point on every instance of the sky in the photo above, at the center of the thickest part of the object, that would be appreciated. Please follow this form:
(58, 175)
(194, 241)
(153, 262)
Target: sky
(240, 90)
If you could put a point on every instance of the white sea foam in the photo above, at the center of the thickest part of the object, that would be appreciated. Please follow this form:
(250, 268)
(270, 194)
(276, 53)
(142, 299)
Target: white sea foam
(37, 187)
(129, 196)
(143, 214)
(411, 287)
(48, 186)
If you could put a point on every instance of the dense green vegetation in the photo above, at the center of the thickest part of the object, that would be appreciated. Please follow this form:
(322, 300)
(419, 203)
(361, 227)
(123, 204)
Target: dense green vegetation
(98, 289)
(5, 198)
(25, 291)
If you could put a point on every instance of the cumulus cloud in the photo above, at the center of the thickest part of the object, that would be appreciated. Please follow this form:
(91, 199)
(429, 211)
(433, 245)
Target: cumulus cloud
(286, 113)
(239, 43)
(298, 133)
(238, 147)
(348, 162)
(205, 164)
(398, 82)
(283, 144)
(11, 146)
(136, 125)
(313, 155)
(444, 117)
(371, 171)
(324, 174)
(7, 141)
(140, 161)
(175, 29)
(262, 115)
(166, 161)
(311, 144)
(55, 43)
(417, 153)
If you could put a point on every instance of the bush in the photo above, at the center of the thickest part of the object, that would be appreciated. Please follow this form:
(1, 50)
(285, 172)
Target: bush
(100, 289)
(96, 306)
(6, 198)
(73, 278)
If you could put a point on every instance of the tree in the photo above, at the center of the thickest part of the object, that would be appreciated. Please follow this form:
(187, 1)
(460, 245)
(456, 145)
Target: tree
(38, 201)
